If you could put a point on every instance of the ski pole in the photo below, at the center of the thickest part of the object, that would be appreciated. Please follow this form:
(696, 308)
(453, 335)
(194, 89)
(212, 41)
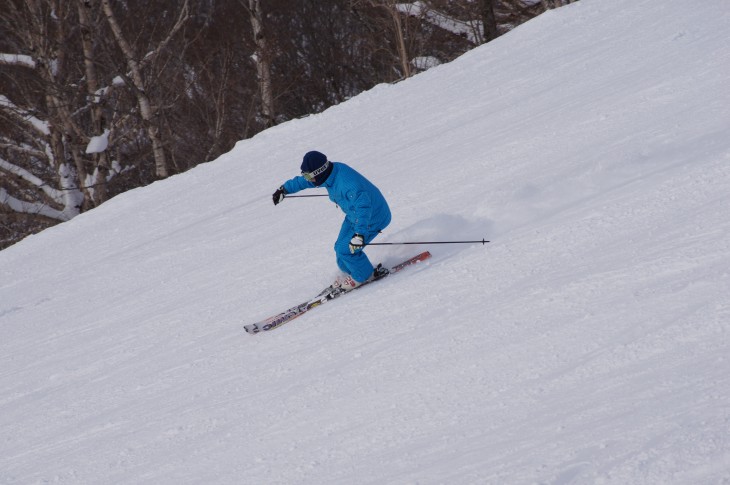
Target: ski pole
(287, 196)
(427, 242)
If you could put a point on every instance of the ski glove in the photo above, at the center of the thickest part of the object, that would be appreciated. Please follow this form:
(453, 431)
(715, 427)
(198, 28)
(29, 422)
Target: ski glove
(357, 243)
(279, 195)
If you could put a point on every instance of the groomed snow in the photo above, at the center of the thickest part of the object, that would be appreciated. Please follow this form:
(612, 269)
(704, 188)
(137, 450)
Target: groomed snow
(587, 343)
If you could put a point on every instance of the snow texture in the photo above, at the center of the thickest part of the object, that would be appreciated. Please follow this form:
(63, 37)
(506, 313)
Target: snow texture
(587, 343)
(17, 59)
(98, 144)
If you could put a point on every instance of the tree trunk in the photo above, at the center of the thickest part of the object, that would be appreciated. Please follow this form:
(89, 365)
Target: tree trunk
(92, 88)
(64, 132)
(488, 20)
(399, 38)
(145, 105)
(262, 57)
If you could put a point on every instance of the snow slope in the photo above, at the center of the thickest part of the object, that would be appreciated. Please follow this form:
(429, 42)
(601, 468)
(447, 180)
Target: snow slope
(587, 343)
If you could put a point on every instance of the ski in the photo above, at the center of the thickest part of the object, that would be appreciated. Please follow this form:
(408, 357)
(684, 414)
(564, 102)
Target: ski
(280, 319)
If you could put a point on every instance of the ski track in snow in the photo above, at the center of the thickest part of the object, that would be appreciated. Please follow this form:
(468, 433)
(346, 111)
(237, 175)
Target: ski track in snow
(586, 343)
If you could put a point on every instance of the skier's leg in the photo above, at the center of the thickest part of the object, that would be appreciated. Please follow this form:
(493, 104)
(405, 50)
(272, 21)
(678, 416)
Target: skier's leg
(357, 265)
(343, 240)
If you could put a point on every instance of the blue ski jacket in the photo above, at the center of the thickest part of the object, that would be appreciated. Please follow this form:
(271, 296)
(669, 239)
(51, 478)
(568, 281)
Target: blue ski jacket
(361, 201)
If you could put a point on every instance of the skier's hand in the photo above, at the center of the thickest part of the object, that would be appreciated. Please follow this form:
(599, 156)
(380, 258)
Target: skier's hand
(279, 195)
(357, 243)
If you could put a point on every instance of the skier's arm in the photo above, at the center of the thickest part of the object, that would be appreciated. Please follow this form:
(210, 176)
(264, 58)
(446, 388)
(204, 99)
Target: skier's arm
(290, 187)
(296, 184)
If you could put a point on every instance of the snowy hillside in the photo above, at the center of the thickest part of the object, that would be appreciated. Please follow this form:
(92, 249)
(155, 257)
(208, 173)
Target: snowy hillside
(589, 342)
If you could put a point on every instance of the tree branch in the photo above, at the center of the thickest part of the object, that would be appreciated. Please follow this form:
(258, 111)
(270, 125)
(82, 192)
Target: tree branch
(17, 60)
(31, 179)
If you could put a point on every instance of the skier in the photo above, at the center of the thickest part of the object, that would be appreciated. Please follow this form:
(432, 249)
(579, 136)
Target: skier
(366, 214)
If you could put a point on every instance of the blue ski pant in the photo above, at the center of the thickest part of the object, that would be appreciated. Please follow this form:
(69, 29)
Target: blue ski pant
(357, 265)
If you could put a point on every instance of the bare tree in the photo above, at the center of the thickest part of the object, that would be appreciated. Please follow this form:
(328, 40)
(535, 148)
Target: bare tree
(489, 20)
(397, 29)
(60, 87)
(136, 64)
(262, 59)
(395, 15)
(101, 174)
(479, 21)
(40, 163)
(550, 4)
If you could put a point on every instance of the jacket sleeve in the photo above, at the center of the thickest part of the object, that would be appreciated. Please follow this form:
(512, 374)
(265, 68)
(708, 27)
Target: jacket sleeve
(363, 209)
(296, 184)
